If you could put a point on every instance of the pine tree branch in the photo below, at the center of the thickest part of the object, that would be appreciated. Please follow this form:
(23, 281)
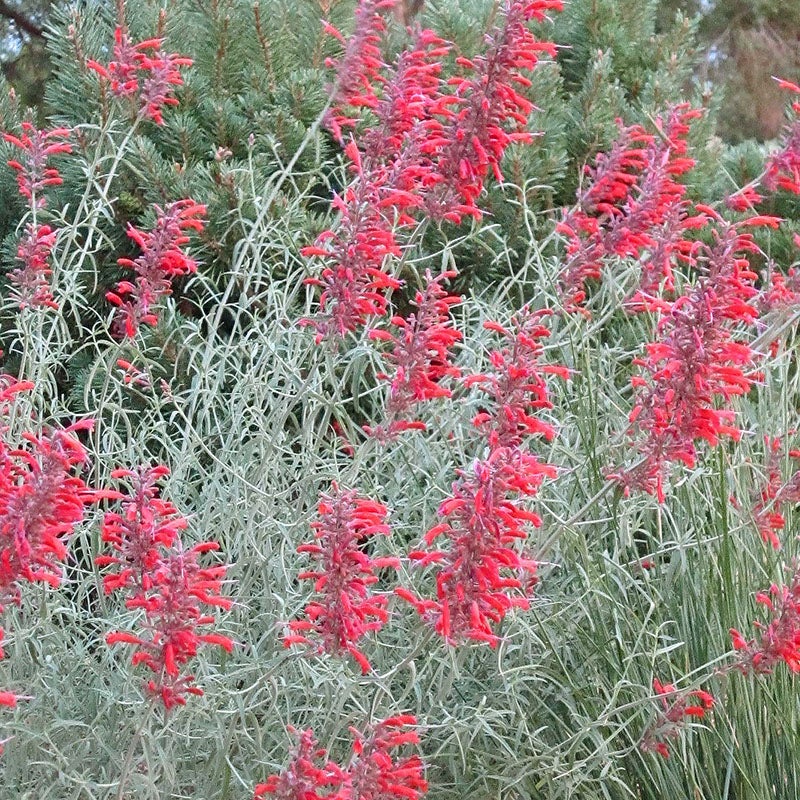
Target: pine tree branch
(22, 22)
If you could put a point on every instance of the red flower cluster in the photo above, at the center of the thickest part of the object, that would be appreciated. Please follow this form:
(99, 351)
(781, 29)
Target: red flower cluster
(780, 639)
(420, 357)
(41, 500)
(153, 74)
(775, 494)
(164, 581)
(353, 285)
(783, 166)
(374, 772)
(696, 361)
(359, 68)
(483, 519)
(427, 152)
(633, 206)
(35, 246)
(673, 715)
(30, 280)
(161, 259)
(309, 776)
(346, 609)
(469, 139)
(33, 172)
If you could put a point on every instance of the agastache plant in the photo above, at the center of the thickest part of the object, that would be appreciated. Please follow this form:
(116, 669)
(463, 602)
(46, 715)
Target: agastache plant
(676, 708)
(420, 357)
(632, 206)
(165, 582)
(698, 360)
(42, 499)
(145, 69)
(31, 278)
(775, 493)
(387, 175)
(486, 112)
(375, 770)
(779, 639)
(345, 608)
(162, 258)
(310, 775)
(480, 573)
(34, 172)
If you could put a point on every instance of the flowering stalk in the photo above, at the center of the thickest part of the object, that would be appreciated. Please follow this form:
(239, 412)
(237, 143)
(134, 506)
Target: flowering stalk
(358, 70)
(144, 68)
(780, 638)
(161, 260)
(486, 112)
(783, 167)
(420, 357)
(428, 153)
(164, 581)
(633, 207)
(41, 500)
(31, 278)
(346, 609)
(676, 709)
(388, 173)
(32, 168)
(696, 361)
(480, 574)
(775, 493)
(374, 772)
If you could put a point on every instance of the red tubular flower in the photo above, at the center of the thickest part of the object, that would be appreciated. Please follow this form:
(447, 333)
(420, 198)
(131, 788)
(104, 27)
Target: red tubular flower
(123, 72)
(309, 776)
(146, 526)
(676, 708)
(420, 357)
(743, 200)
(346, 609)
(353, 285)
(420, 155)
(483, 519)
(486, 112)
(165, 582)
(30, 279)
(696, 361)
(33, 172)
(388, 176)
(161, 259)
(376, 773)
(780, 638)
(516, 386)
(153, 74)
